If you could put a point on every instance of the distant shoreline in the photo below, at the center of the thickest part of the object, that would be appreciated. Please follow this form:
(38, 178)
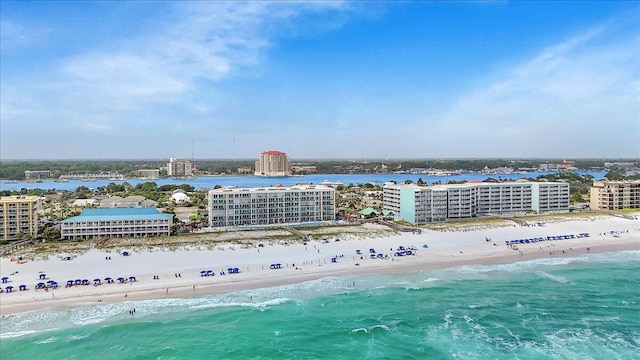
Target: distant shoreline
(210, 181)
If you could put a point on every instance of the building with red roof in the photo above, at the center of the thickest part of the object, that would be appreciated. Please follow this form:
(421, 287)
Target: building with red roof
(273, 163)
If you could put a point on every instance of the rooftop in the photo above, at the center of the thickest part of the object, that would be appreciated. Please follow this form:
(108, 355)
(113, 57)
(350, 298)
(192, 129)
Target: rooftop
(471, 184)
(118, 214)
(19, 198)
(274, 188)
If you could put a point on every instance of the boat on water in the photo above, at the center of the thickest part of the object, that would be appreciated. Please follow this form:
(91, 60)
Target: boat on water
(12, 182)
(61, 180)
(88, 179)
(331, 183)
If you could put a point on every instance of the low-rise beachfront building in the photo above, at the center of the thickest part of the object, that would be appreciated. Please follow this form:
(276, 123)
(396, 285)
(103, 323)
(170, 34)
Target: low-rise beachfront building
(272, 205)
(19, 215)
(615, 195)
(425, 204)
(116, 222)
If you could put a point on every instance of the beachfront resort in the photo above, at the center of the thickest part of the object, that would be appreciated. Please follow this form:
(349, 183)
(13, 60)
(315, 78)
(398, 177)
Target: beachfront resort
(421, 205)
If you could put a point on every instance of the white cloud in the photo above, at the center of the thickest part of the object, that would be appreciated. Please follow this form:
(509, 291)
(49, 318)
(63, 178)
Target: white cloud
(577, 98)
(176, 59)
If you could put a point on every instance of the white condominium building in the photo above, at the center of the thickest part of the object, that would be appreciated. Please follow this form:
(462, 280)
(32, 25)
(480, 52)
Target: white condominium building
(615, 195)
(273, 205)
(179, 167)
(424, 204)
(19, 214)
(273, 163)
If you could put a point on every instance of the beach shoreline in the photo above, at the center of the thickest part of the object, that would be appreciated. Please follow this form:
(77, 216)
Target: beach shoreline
(165, 274)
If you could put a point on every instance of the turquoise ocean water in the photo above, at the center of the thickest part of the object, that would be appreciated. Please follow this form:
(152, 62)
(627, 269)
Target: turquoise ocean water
(561, 308)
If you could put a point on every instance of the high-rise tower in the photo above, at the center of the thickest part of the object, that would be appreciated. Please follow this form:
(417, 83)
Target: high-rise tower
(273, 163)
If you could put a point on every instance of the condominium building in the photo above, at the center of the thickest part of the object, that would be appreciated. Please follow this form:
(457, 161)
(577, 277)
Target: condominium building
(179, 167)
(615, 195)
(273, 163)
(19, 214)
(420, 204)
(116, 222)
(274, 205)
(37, 174)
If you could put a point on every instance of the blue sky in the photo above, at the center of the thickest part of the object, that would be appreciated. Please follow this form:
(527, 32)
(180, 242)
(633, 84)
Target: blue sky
(450, 79)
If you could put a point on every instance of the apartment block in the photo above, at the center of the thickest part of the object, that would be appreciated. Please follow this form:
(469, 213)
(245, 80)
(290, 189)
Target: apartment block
(179, 167)
(420, 204)
(416, 204)
(615, 195)
(19, 214)
(273, 205)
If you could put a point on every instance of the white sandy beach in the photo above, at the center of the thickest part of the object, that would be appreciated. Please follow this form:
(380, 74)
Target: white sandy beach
(299, 262)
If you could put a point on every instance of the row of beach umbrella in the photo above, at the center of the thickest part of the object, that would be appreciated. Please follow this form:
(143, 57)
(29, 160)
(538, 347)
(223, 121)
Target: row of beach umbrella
(554, 237)
(10, 288)
(98, 281)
